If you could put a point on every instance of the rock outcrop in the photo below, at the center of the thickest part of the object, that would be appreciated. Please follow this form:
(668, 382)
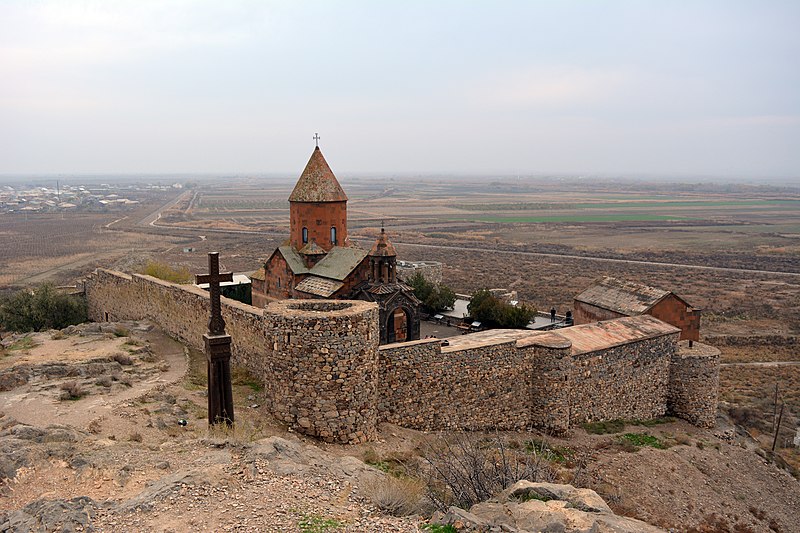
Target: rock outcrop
(529, 507)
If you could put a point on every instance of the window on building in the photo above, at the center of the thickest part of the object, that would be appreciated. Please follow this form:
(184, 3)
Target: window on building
(278, 284)
(333, 234)
(305, 235)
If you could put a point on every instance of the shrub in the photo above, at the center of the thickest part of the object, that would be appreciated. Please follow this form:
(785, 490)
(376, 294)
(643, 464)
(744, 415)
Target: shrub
(123, 359)
(462, 471)
(166, 272)
(486, 307)
(135, 437)
(396, 496)
(41, 308)
(71, 390)
(434, 297)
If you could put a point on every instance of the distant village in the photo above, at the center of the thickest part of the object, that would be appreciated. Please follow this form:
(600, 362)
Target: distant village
(79, 198)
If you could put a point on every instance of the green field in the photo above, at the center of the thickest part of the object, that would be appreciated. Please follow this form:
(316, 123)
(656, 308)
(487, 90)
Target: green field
(642, 217)
(522, 206)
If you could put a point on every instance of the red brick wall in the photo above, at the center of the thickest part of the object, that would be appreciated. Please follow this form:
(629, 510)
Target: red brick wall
(673, 311)
(584, 313)
(318, 217)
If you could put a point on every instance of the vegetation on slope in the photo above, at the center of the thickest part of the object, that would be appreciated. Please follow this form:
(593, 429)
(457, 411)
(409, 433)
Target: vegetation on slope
(41, 308)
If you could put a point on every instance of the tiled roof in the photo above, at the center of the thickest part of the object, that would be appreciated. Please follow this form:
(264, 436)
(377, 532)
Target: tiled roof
(624, 297)
(295, 262)
(383, 247)
(339, 262)
(388, 288)
(609, 333)
(312, 248)
(319, 286)
(317, 182)
(259, 274)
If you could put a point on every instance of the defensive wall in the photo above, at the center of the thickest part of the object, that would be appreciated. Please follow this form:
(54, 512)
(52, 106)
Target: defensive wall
(325, 375)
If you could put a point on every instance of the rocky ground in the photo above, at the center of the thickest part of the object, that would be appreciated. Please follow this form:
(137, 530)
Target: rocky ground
(103, 428)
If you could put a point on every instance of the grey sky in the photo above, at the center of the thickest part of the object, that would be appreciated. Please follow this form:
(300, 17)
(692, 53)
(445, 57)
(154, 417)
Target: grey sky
(685, 88)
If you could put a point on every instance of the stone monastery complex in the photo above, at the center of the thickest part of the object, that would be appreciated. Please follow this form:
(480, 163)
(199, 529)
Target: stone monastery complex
(324, 336)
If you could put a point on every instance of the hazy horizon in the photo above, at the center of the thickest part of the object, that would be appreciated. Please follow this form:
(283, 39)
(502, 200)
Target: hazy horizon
(686, 90)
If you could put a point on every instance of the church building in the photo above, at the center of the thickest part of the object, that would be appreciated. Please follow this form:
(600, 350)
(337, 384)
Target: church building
(319, 262)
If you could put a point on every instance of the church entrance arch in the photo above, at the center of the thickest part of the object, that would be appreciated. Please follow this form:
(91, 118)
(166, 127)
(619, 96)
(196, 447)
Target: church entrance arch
(398, 325)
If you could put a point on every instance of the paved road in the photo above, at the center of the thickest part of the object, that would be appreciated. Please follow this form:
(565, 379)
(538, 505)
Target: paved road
(150, 219)
(766, 364)
(601, 259)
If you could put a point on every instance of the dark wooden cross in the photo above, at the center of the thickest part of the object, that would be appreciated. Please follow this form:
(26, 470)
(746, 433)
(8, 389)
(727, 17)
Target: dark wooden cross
(218, 348)
(316, 139)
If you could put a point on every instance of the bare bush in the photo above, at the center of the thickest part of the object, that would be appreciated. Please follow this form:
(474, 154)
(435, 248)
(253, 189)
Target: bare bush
(123, 359)
(463, 471)
(71, 390)
(396, 496)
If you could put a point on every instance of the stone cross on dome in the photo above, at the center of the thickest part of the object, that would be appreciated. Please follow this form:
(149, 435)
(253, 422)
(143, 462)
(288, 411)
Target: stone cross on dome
(316, 139)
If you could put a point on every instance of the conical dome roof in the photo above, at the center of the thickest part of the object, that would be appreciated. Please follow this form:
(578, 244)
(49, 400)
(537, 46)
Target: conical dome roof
(383, 247)
(317, 182)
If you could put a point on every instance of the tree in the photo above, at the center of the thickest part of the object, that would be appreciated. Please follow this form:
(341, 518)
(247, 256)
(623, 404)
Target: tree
(41, 308)
(486, 307)
(434, 297)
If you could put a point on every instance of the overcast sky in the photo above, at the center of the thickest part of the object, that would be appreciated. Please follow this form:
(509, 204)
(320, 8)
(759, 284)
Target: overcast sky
(668, 88)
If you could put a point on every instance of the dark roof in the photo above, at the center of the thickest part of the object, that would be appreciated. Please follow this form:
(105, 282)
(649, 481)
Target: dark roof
(336, 265)
(624, 297)
(312, 248)
(317, 182)
(383, 247)
(319, 286)
(339, 262)
(295, 262)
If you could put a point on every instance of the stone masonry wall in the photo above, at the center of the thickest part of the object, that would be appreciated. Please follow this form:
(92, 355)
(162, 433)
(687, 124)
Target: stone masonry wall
(625, 381)
(322, 370)
(430, 270)
(424, 386)
(258, 343)
(324, 374)
(694, 384)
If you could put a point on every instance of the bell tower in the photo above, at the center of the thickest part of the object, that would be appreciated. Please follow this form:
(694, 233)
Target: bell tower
(318, 207)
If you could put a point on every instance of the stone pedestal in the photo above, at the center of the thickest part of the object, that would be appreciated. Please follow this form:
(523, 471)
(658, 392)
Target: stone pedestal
(220, 394)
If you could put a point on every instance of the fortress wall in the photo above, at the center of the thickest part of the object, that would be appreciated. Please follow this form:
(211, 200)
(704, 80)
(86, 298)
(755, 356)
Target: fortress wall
(180, 310)
(324, 374)
(694, 384)
(625, 381)
(322, 370)
(425, 386)
(550, 386)
(319, 367)
(430, 270)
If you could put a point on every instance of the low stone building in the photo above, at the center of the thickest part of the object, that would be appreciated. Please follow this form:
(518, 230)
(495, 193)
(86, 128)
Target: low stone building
(614, 298)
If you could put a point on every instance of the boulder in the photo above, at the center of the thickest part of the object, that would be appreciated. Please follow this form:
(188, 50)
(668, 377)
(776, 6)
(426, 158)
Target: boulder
(528, 507)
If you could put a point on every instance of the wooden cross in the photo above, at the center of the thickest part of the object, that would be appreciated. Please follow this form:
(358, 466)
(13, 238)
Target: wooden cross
(216, 325)
(316, 139)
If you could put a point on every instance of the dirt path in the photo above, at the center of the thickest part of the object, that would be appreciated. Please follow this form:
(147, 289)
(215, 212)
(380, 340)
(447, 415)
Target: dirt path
(32, 407)
(764, 363)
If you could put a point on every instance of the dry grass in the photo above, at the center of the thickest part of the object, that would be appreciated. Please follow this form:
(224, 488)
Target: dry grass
(396, 496)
